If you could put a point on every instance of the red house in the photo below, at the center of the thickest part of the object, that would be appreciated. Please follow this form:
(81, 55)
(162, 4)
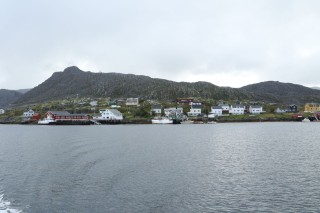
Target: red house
(66, 116)
(36, 117)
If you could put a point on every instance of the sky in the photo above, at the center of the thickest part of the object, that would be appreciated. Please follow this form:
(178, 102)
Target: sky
(224, 42)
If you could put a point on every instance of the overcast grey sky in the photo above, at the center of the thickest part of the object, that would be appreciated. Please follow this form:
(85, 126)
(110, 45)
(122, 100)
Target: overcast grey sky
(225, 42)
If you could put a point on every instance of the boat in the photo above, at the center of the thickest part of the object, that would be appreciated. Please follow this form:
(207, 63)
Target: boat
(306, 120)
(162, 120)
(46, 121)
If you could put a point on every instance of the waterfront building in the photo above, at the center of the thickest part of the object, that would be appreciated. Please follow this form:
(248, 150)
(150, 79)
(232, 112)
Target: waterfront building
(237, 109)
(312, 107)
(65, 116)
(255, 109)
(195, 110)
(215, 111)
(28, 114)
(109, 115)
(225, 108)
(173, 111)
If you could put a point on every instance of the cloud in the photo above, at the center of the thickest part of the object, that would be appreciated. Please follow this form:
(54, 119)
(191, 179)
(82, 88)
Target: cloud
(242, 41)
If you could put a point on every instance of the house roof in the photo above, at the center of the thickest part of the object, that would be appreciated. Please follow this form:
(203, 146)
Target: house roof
(237, 106)
(216, 107)
(195, 106)
(313, 104)
(65, 113)
(115, 112)
(223, 105)
(156, 107)
(256, 106)
(60, 113)
(172, 109)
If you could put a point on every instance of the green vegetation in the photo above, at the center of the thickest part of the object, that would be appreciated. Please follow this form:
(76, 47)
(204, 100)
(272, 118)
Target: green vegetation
(141, 113)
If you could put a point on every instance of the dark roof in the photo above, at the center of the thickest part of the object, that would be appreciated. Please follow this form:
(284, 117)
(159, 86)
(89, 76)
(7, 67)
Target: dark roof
(223, 105)
(156, 107)
(237, 106)
(216, 107)
(255, 106)
(60, 113)
(194, 106)
(65, 113)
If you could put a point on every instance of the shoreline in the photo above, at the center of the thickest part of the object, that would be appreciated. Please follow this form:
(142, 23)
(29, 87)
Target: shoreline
(139, 122)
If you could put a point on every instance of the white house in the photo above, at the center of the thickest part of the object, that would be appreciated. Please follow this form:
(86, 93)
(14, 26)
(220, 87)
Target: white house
(109, 115)
(225, 107)
(215, 111)
(156, 109)
(237, 109)
(195, 109)
(256, 109)
(132, 101)
(28, 114)
(172, 111)
(2, 111)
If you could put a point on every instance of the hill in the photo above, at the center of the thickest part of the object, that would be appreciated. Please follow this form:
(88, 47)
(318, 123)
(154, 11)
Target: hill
(274, 91)
(72, 82)
(8, 96)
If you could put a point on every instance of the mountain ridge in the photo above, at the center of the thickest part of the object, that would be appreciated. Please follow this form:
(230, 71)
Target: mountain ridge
(73, 82)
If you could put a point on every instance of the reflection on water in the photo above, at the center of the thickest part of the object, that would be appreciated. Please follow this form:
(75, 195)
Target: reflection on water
(250, 167)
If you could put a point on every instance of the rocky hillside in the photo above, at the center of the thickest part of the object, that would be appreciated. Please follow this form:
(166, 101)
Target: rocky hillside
(274, 91)
(8, 96)
(72, 82)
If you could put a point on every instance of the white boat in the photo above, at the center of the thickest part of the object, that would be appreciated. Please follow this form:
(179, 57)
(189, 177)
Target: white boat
(161, 121)
(46, 121)
(306, 120)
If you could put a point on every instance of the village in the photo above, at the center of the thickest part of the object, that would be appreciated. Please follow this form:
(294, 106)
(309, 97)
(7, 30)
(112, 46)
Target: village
(85, 111)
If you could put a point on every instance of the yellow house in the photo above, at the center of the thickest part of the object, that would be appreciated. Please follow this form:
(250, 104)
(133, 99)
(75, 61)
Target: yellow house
(312, 107)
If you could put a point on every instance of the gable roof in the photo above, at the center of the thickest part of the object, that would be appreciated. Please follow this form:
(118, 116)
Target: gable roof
(60, 113)
(237, 106)
(216, 107)
(256, 106)
(195, 106)
(156, 107)
(115, 112)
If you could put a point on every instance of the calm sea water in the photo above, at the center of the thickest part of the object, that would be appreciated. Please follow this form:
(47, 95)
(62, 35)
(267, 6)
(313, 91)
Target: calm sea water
(242, 167)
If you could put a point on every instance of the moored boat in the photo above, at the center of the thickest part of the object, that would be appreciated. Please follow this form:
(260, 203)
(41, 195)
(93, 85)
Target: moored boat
(46, 121)
(306, 120)
(162, 120)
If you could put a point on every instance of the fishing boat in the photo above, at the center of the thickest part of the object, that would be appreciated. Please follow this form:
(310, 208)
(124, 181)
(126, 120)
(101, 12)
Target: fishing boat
(162, 120)
(46, 121)
(306, 120)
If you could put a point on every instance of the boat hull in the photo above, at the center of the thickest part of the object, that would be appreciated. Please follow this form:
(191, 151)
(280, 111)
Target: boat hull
(161, 121)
